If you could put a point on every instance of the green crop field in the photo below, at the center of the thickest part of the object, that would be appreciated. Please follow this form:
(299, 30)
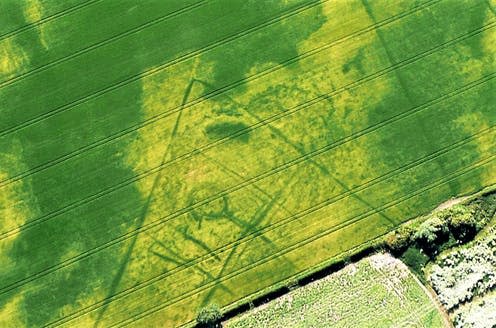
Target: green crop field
(158, 156)
(378, 291)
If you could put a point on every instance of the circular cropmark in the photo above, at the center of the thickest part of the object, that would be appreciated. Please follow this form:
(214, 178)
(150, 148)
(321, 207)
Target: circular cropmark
(212, 210)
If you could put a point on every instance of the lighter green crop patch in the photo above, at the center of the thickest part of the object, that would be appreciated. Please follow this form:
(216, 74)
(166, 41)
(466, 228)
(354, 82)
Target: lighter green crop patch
(13, 313)
(17, 201)
(33, 13)
(12, 58)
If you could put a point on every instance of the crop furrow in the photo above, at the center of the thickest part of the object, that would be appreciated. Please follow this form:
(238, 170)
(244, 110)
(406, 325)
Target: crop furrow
(185, 210)
(152, 120)
(119, 36)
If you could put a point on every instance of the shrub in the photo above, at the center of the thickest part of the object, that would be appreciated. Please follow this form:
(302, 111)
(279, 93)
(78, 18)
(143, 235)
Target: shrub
(209, 316)
(483, 209)
(399, 240)
(416, 260)
(462, 223)
(465, 272)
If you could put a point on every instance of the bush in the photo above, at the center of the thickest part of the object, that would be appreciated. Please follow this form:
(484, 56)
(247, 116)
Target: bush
(483, 209)
(464, 273)
(462, 223)
(209, 316)
(416, 260)
(399, 240)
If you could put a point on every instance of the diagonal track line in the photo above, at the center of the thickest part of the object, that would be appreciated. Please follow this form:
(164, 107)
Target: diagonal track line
(167, 218)
(146, 207)
(195, 53)
(247, 238)
(194, 152)
(156, 118)
(154, 70)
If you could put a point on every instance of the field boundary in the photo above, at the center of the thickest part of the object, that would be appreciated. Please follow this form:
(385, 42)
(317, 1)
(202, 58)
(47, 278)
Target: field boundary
(166, 166)
(243, 185)
(299, 244)
(238, 187)
(432, 296)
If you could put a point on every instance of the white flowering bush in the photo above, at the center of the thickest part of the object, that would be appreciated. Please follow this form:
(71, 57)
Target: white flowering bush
(478, 314)
(462, 274)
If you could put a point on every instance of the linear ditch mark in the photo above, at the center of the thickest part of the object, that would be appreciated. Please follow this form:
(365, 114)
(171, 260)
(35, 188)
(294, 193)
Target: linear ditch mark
(283, 222)
(194, 152)
(304, 242)
(316, 163)
(190, 55)
(301, 214)
(402, 81)
(134, 128)
(47, 19)
(255, 224)
(96, 45)
(233, 173)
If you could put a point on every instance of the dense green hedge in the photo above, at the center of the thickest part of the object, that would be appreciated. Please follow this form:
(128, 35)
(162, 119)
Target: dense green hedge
(445, 228)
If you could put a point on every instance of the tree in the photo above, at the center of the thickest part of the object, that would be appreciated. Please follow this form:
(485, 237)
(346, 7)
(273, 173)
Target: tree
(462, 222)
(429, 233)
